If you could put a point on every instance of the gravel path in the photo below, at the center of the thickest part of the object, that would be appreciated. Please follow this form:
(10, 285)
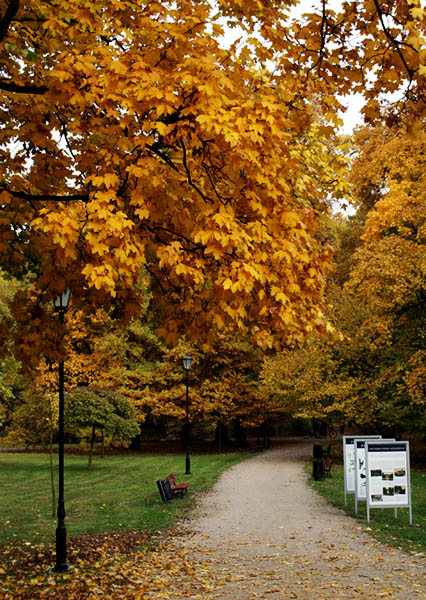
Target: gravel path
(262, 532)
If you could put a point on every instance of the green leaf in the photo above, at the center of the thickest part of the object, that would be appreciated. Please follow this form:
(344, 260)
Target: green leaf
(31, 56)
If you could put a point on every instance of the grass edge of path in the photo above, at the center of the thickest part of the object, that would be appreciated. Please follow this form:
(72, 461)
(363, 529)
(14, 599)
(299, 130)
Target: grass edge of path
(396, 533)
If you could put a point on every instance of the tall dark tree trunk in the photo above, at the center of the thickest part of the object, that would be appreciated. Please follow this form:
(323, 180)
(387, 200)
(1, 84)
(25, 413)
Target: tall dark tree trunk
(240, 434)
(92, 444)
(103, 443)
(221, 436)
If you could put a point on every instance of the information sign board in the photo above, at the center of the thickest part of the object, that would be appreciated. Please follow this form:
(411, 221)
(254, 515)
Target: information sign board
(388, 475)
(349, 461)
(360, 470)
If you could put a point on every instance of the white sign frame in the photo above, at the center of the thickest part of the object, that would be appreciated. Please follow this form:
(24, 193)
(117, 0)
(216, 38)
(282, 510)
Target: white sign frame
(361, 470)
(388, 463)
(349, 461)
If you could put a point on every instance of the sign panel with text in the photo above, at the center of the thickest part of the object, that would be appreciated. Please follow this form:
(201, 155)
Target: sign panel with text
(361, 471)
(349, 460)
(388, 475)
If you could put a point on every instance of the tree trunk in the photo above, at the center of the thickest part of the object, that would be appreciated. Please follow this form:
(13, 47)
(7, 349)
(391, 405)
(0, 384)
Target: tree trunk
(103, 444)
(240, 434)
(221, 436)
(92, 444)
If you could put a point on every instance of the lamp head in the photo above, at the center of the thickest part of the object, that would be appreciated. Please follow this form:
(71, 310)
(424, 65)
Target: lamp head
(62, 301)
(187, 362)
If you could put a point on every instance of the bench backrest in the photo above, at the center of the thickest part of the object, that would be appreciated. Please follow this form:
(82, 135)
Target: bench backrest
(161, 490)
(167, 489)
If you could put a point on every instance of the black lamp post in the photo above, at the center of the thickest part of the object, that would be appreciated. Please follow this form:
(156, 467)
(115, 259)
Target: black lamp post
(61, 306)
(187, 362)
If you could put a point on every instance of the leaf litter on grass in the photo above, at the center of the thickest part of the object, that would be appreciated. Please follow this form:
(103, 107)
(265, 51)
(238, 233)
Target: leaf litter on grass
(144, 567)
(116, 565)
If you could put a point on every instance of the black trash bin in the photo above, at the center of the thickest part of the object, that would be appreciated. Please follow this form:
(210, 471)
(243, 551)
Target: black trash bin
(318, 470)
(318, 465)
(318, 451)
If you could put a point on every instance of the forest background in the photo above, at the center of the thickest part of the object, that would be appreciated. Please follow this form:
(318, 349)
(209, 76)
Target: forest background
(183, 191)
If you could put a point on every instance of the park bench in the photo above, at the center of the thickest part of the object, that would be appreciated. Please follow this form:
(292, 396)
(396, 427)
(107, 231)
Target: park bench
(169, 489)
(255, 446)
(327, 467)
(178, 488)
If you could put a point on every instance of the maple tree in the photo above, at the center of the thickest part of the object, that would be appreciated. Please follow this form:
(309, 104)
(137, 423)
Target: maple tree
(373, 47)
(231, 390)
(142, 161)
(162, 159)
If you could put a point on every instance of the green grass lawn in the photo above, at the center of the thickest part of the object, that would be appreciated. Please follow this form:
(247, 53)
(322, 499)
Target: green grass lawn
(383, 525)
(119, 494)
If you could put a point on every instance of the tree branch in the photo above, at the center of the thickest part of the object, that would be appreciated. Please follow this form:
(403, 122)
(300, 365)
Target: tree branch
(190, 245)
(6, 20)
(23, 89)
(155, 150)
(64, 131)
(323, 34)
(393, 40)
(188, 174)
(46, 197)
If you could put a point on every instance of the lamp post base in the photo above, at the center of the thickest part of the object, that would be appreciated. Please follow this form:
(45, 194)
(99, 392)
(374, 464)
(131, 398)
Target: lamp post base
(61, 569)
(61, 565)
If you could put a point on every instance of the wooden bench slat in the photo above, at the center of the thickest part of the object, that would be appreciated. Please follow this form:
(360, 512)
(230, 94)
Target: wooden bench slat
(177, 487)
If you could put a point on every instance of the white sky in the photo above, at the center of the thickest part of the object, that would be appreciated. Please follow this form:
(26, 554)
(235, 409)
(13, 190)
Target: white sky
(352, 117)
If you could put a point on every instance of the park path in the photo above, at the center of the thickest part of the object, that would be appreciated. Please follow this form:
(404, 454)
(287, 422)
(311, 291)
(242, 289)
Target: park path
(263, 532)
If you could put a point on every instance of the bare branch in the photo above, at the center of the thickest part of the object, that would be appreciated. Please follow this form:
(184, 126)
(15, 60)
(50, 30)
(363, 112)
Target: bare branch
(155, 149)
(46, 197)
(188, 174)
(394, 42)
(23, 89)
(7, 18)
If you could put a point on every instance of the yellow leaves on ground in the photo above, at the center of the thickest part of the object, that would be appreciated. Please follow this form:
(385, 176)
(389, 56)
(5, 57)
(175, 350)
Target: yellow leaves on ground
(146, 574)
(241, 568)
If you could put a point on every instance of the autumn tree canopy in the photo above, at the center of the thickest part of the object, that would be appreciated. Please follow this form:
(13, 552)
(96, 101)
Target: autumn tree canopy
(138, 154)
(390, 266)
(375, 374)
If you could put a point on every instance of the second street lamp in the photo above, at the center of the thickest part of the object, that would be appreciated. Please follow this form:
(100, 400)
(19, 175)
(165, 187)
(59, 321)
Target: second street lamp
(61, 306)
(187, 362)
